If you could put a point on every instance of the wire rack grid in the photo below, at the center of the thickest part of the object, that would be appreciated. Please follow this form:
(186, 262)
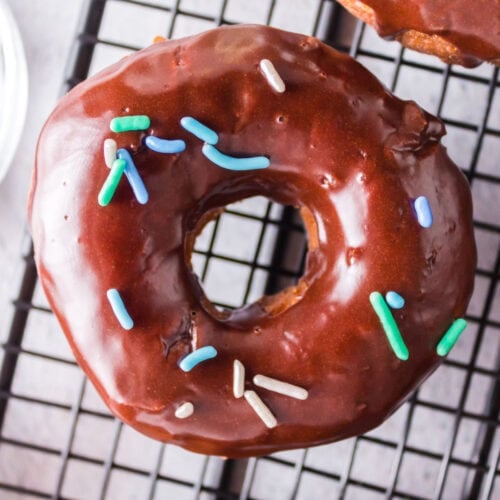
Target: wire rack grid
(58, 440)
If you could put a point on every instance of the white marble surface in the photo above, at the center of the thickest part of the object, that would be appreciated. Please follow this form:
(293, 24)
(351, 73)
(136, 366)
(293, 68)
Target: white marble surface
(47, 28)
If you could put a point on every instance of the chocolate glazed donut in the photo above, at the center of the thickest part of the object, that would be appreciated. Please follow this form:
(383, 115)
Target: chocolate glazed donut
(200, 123)
(465, 32)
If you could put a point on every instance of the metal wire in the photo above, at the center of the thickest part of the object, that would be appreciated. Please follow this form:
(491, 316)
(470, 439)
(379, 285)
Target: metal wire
(305, 476)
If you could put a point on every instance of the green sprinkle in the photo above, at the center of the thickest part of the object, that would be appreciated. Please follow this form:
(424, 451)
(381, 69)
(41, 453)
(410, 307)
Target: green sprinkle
(451, 336)
(111, 183)
(389, 325)
(128, 123)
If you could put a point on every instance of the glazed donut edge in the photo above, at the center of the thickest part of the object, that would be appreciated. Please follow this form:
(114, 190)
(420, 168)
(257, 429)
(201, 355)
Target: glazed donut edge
(339, 146)
(464, 32)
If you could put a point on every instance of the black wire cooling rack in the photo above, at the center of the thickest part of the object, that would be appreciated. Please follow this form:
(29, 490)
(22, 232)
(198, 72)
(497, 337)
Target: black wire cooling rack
(58, 441)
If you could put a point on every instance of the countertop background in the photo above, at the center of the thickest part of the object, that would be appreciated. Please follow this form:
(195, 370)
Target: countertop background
(47, 28)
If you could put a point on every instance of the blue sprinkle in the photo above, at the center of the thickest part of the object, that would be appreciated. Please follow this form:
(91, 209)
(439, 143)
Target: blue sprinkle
(394, 300)
(232, 163)
(134, 177)
(164, 145)
(119, 309)
(423, 211)
(199, 130)
(197, 357)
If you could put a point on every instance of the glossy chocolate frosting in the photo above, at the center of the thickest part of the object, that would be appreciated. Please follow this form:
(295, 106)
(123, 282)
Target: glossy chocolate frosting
(340, 146)
(470, 27)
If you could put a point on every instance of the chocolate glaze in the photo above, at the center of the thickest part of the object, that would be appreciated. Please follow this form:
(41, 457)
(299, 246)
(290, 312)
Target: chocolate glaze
(473, 27)
(342, 147)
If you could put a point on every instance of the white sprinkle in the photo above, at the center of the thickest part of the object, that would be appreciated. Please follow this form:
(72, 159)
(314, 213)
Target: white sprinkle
(238, 379)
(110, 148)
(261, 409)
(271, 384)
(272, 76)
(185, 410)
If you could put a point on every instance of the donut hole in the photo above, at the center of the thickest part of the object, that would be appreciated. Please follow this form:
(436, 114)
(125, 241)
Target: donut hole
(249, 258)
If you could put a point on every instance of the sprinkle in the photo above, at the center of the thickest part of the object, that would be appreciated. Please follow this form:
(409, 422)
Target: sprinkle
(109, 152)
(185, 410)
(423, 211)
(260, 408)
(133, 177)
(238, 379)
(394, 299)
(130, 123)
(389, 325)
(118, 307)
(451, 336)
(164, 145)
(197, 357)
(159, 38)
(111, 183)
(271, 384)
(232, 163)
(272, 76)
(199, 130)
